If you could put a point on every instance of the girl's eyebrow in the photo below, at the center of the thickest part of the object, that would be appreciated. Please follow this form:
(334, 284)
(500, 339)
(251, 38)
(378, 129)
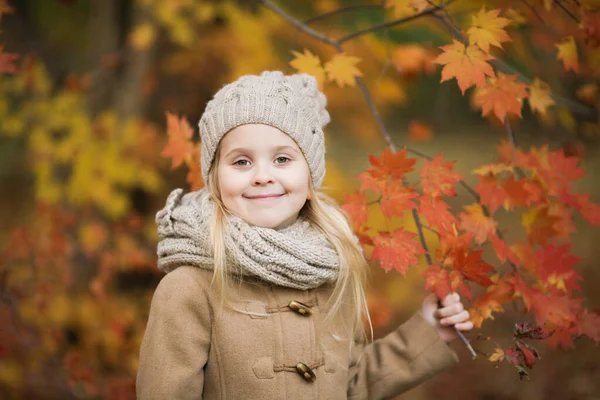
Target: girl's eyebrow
(274, 150)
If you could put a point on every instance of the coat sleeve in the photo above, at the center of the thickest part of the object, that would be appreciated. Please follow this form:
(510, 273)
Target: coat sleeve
(398, 362)
(176, 342)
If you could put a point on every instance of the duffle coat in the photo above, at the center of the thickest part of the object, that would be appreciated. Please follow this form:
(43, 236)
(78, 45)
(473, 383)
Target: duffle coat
(277, 349)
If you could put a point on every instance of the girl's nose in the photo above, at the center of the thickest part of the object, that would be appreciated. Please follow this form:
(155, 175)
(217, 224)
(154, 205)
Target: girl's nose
(262, 176)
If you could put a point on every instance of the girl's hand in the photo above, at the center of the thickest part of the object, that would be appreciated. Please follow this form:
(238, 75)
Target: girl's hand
(444, 318)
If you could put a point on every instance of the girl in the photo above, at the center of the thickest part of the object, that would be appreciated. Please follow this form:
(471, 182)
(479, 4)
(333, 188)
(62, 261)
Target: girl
(264, 293)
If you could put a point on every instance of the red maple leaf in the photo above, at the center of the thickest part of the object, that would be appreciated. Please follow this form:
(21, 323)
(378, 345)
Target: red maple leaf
(397, 250)
(521, 192)
(390, 166)
(457, 284)
(503, 250)
(476, 222)
(437, 280)
(396, 199)
(589, 324)
(556, 269)
(473, 267)
(581, 202)
(179, 146)
(529, 353)
(436, 212)
(437, 177)
(490, 192)
(356, 207)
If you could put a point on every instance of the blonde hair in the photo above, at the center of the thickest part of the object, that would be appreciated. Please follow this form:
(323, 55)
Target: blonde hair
(322, 211)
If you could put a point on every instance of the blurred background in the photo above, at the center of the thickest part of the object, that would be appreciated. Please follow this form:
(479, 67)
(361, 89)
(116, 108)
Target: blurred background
(83, 125)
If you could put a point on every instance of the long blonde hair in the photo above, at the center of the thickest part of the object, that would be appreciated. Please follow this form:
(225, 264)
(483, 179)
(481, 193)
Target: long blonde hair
(322, 211)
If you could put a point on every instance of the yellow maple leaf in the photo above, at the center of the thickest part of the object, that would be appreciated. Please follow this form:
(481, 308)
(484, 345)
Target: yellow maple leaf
(487, 29)
(309, 63)
(142, 36)
(402, 8)
(539, 97)
(497, 356)
(567, 52)
(342, 69)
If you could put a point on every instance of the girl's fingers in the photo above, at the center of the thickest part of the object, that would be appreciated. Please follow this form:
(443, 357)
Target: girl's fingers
(449, 311)
(455, 319)
(450, 299)
(464, 326)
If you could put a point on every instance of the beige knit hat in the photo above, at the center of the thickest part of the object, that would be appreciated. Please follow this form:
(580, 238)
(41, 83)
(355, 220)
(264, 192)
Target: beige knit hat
(293, 104)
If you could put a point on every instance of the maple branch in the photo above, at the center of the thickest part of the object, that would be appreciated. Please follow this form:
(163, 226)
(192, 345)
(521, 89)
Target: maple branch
(340, 11)
(567, 11)
(532, 8)
(298, 24)
(395, 22)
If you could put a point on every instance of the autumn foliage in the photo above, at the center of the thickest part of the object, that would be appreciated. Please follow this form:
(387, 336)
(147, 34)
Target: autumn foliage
(77, 276)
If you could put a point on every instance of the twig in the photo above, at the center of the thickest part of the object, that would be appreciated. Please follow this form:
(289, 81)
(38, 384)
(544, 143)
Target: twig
(566, 10)
(340, 11)
(395, 22)
(532, 8)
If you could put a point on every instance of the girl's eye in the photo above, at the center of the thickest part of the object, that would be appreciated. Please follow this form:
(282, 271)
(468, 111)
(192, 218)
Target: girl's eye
(282, 160)
(242, 163)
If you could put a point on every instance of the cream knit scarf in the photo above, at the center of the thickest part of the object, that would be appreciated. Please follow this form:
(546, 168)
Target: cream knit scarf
(298, 256)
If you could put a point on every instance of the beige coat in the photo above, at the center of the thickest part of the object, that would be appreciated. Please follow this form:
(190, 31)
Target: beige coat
(194, 350)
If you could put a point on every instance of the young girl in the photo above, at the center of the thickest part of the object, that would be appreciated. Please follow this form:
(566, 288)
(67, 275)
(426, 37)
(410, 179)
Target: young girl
(264, 293)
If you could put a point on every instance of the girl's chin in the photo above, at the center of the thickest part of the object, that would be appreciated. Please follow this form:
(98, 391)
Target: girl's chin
(271, 223)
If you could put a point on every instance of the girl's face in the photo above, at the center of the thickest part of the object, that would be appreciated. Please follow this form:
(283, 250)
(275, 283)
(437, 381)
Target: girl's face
(262, 175)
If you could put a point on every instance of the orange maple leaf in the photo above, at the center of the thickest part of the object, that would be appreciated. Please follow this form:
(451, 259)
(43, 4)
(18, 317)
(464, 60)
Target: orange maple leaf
(309, 63)
(539, 97)
(179, 146)
(397, 250)
(468, 65)
(483, 307)
(437, 177)
(567, 52)
(419, 131)
(502, 95)
(411, 59)
(342, 69)
(487, 29)
(355, 206)
(477, 223)
(194, 176)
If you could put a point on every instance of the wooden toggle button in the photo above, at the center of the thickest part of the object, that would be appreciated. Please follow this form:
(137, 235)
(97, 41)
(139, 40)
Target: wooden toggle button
(300, 308)
(306, 372)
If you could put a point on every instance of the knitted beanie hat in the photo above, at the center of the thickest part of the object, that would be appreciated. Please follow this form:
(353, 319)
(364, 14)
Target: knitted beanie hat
(293, 104)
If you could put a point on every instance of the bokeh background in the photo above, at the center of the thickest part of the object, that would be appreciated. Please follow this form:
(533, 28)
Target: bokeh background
(83, 125)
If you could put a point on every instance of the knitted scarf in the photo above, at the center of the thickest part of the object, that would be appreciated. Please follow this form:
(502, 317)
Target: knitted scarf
(298, 256)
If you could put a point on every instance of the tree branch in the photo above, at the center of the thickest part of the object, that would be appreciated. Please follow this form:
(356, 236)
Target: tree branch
(395, 22)
(340, 11)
